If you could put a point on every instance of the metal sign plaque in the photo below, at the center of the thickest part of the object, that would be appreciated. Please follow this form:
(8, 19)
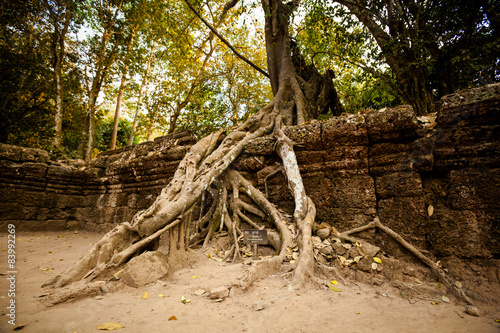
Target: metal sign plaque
(255, 236)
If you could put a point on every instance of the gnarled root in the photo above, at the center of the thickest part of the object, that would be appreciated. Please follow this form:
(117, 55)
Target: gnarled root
(438, 272)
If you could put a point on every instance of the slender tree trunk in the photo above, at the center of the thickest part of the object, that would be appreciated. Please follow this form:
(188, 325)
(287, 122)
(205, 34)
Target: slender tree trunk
(57, 141)
(145, 83)
(120, 92)
(104, 60)
(58, 53)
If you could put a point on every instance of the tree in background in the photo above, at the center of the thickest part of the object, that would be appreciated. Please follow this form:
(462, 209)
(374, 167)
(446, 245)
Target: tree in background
(180, 76)
(431, 47)
(60, 16)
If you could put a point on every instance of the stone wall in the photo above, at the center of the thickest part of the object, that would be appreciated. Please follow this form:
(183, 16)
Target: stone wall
(384, 163)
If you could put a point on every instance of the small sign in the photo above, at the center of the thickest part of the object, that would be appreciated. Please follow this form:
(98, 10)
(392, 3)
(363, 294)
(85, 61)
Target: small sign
(255, 236)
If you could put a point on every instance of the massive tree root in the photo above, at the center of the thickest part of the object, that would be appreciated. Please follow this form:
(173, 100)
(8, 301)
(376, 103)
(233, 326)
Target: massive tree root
(204, 170)
(223, 199)
(204, 175)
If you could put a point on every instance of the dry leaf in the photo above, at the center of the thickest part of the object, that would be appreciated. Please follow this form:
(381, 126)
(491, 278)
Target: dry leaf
(109, 326)
(445, 299)
(193, 277)
(185, 300)
(458, 284)
(430, 210)
(144, 295)
(434, 303)
(342, 259)
(377, 260)
(357, 258)
(357, 312)
(161, 295)
(334, 288)
(497, 320)
(172, 318)
(374, 265)
(46, 269)
(333, 282)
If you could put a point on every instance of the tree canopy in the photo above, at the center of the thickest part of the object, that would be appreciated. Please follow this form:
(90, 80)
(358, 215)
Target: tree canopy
(155, 67)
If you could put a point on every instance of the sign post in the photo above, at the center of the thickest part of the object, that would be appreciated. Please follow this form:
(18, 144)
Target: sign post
(255, 237)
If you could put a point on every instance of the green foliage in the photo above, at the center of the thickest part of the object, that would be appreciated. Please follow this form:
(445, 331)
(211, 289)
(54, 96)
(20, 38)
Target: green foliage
(104, 127)
(196, 75)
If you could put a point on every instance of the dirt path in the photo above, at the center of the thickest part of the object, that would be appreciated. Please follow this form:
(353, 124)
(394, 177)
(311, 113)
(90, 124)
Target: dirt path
(357, 308)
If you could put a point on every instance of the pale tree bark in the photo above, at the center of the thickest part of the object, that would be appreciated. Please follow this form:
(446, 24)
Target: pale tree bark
(121, 89)
(104, 60)
(57, 14)
(144, 85)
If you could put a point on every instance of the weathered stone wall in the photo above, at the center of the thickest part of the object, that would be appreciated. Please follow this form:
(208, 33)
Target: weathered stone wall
(354, 167)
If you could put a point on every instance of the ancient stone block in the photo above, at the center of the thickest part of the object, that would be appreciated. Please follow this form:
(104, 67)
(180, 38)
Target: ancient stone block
(347, 130)
(392, 124)
(399, 184)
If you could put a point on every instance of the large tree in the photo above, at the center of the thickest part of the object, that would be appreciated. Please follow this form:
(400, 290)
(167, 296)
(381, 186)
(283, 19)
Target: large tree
(432, 47)
(301, 93)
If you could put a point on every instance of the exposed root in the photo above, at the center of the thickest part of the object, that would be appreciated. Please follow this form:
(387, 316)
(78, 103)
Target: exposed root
(438, 272)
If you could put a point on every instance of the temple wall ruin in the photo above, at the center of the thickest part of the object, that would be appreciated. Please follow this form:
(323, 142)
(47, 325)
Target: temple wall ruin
(355, 167)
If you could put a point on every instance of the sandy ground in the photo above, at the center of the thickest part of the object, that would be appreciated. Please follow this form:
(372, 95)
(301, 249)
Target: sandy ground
(357, 308)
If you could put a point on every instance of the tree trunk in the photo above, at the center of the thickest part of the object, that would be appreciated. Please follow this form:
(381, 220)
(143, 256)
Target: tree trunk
(58, 50)
(104, 60)
(145, 83)
(120, 92)
(413, 79)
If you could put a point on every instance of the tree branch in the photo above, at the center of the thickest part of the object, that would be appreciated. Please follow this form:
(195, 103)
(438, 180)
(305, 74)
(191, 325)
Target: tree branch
(225, 41)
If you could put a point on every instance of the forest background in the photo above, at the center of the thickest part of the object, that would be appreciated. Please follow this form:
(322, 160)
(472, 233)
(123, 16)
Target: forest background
(81, 77)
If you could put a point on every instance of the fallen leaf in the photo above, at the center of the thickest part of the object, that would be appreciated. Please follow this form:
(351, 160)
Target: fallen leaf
(430, 210)
(51, 252)
(46, 269)
(458, 284)
(109, 326)
(144, 295)
(497, 320)
(334, 288)
(193, 277)
(185, 300)
(445, 299)
(357, 312)
(161, 295)
(172, 318)
(357, 258)
(434, 303)
(377, 260)
(374, 265)
(333, 282)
